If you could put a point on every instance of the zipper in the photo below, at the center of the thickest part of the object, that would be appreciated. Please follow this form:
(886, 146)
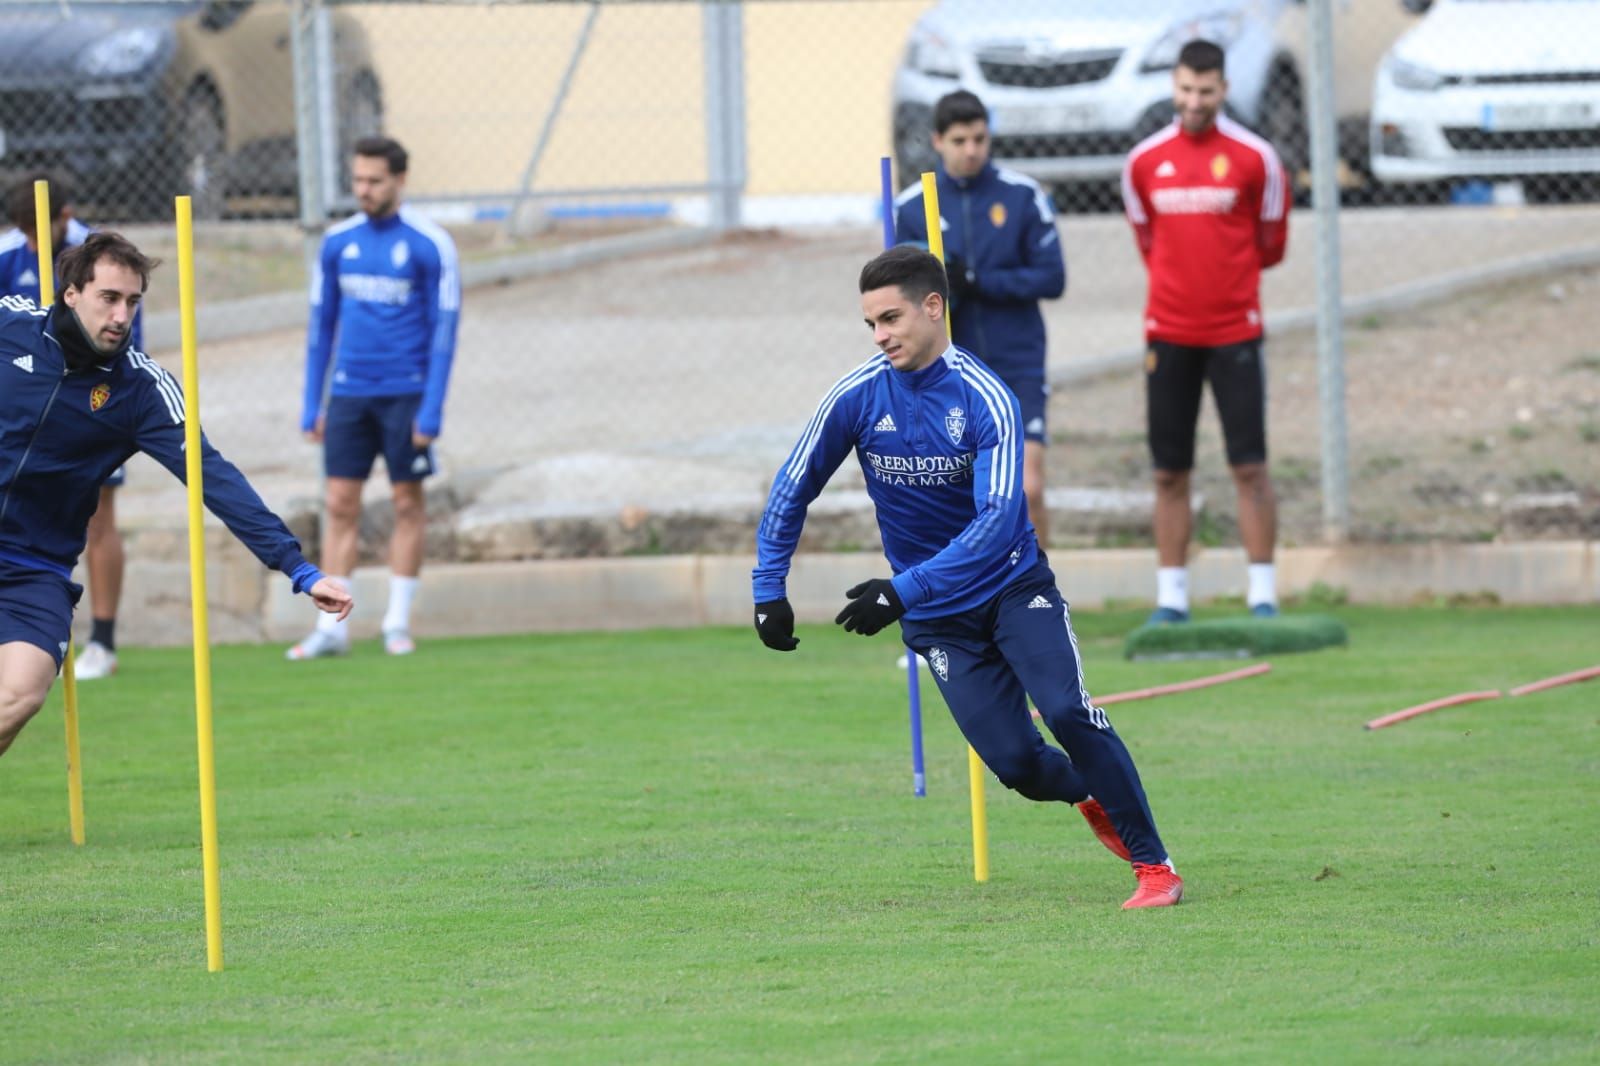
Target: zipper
(51, 402)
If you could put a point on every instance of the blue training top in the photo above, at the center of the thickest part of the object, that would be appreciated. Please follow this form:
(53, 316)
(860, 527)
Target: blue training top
(19, 269)
(62, 432)
(390, 288)
(941, 448)
(1000, 224)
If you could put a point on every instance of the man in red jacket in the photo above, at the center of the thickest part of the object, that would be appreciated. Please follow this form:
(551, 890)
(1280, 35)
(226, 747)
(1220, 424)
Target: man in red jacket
(1209, 203)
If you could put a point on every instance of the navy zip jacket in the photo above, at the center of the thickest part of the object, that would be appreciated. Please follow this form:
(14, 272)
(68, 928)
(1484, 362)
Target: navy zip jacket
(999, 224)
(942, 452)
(63, 431)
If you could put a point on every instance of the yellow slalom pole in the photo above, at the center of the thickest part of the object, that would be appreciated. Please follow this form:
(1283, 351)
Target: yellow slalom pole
(980, 819)
(197, 588)
(69, 680)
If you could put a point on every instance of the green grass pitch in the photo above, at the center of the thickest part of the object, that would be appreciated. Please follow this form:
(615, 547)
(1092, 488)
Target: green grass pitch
(680, 847)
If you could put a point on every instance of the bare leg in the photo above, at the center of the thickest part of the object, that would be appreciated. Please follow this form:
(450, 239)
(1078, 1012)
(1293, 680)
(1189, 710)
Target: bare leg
(410, 529)
(1173, 520)
(1258, 511)
(105, 558)
(26, 674)
(1033, 487)
(341, 540)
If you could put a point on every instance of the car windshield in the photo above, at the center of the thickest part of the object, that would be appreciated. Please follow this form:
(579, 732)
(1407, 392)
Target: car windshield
(67, 8)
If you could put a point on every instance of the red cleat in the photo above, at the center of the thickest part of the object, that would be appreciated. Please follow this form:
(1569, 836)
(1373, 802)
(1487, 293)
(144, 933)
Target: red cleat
(1159, 886)
(1100, 822)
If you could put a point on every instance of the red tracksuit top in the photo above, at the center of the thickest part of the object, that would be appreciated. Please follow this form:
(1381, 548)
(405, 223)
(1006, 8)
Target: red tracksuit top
(1210, 211)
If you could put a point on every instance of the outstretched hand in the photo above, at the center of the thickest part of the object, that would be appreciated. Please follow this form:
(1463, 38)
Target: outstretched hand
(873, 605)
(332, 597)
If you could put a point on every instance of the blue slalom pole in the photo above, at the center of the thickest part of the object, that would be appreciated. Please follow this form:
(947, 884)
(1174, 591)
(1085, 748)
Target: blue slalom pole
(919, 776)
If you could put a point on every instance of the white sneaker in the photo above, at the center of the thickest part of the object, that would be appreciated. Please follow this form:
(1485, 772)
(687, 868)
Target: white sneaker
(900, 663)
(317, 646)
(94, 662)
(398, 642)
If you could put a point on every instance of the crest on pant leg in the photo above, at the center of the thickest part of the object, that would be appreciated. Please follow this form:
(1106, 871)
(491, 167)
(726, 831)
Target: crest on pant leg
(955, 423)
(940, 663)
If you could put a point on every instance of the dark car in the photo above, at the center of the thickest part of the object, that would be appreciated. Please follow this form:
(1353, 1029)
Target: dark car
(138, 102)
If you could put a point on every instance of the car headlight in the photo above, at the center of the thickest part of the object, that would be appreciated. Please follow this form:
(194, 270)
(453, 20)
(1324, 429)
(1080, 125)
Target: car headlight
(1414, 76)
(125, 52)
(1221, 28)
(932, 55)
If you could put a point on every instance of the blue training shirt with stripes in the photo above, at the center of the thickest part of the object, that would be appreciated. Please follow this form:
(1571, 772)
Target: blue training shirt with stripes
(387, 291)
(941, 449)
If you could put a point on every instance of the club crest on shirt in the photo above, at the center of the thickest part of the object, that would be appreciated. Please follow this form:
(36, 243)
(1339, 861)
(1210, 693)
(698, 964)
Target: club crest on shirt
(997, 215)
(955, 423)
(401, 252)
(98, 396)
(1219, 166)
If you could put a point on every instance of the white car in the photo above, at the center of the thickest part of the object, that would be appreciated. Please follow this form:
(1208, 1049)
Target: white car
(1072, 85)
(1484, 89)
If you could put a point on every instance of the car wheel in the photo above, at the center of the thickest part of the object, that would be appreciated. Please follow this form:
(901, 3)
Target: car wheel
(202, 154)
(913, 147)
(1283, 122)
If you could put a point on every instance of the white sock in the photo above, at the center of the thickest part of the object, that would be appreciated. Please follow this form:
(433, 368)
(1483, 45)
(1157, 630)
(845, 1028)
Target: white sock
(330, 623)
(1172, 587)
(1263, 584)
(402, 590)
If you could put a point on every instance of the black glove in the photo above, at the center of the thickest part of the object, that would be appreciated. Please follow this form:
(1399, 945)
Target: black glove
(963, 280)
(775, 625)
(873, 605)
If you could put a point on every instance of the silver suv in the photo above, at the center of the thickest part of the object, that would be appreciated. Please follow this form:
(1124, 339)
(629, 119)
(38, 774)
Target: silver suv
(1072, 85)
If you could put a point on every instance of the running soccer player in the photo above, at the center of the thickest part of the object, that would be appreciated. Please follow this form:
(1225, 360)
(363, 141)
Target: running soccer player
(1209, 204)
(104, 557)
(939, 439)
(387, 286)
(79, 400)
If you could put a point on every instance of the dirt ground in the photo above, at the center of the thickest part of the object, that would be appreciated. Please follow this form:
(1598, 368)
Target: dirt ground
(1473, 419)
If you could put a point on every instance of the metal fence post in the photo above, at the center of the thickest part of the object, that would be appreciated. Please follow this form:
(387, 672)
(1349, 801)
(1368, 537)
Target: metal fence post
(723, 22)
(1330, 324)
(307, 123)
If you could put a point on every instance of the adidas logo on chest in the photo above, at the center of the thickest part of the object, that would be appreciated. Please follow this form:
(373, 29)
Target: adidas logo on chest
(885, 425)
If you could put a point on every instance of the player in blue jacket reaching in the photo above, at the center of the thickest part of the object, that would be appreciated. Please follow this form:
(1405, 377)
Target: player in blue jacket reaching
(939, 439)
(78, 401)
(384, 302)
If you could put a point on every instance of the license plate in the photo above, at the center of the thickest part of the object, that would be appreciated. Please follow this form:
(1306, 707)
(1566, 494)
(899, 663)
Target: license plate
(1537, 116)
(1059, 118)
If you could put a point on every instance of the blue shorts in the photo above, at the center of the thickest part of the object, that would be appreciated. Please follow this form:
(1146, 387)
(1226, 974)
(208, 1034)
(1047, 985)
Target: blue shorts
(1033, 393)
(118, 478)
(357, 429)
(36, 608)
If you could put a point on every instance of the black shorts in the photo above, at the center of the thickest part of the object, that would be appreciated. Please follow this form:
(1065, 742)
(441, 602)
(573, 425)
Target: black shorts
(1174, 377)
(357, 429)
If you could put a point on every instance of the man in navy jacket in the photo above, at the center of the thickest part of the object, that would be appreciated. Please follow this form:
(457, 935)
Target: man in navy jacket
(939, 439)
(1004, 256)
(78, 401)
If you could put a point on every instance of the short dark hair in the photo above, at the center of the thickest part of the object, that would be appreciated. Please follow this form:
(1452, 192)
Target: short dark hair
(915, 270)
(956, 108)
(76, 268)
(1201, 56)
(386, 148)
(19, 199)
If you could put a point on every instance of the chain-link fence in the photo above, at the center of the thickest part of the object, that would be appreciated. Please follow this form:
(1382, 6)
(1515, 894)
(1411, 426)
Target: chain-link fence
(641, 402)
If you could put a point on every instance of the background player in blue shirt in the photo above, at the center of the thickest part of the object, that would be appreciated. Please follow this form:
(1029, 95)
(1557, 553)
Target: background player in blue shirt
(387, 288)
(1004, 256)
(19, 276)
(939, 438)
(78, 399)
